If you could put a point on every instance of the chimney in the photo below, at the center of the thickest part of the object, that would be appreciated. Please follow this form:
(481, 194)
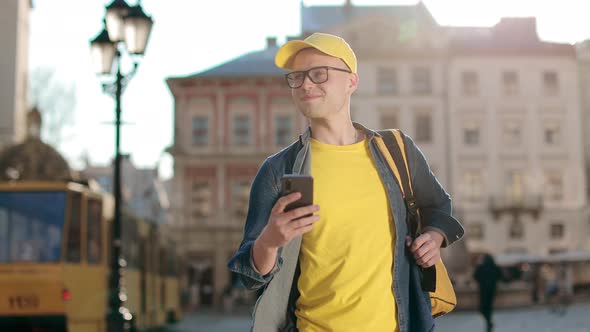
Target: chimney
(521, 29)
(271, 42)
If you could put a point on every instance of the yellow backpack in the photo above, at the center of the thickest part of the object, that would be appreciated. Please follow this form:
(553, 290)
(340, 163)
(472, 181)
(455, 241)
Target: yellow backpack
(435, 279)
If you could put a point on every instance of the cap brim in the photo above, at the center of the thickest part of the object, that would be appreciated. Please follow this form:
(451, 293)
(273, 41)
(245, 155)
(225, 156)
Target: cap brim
(286, 54)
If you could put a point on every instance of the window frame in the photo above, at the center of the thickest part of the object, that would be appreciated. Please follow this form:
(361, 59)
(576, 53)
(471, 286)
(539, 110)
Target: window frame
(196, 133)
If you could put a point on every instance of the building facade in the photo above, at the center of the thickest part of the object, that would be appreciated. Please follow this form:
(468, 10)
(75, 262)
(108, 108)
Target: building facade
(496, 111)
(14, 38)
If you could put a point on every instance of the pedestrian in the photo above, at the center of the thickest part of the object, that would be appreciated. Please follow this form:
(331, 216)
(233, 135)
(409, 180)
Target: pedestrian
(340, 264)
(555, 292)
(487, 274)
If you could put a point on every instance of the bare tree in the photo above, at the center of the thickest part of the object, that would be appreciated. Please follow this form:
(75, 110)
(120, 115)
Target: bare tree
(55, 100)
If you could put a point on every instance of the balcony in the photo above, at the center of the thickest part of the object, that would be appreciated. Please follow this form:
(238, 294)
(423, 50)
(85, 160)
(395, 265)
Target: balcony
(516, 205)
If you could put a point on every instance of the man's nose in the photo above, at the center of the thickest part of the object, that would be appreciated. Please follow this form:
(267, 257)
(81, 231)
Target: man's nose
(307, 83)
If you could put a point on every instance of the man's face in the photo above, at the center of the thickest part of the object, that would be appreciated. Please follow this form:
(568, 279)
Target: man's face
(328, 99)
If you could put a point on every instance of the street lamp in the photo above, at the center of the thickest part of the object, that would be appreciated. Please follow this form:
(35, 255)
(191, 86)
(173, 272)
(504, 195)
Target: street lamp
(127, 28)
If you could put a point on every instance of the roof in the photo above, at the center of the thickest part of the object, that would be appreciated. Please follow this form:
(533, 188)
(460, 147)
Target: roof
(253, 64)
(510, 35)
(320, 18)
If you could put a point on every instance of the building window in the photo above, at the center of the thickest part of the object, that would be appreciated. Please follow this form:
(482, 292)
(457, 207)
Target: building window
(516, 230)
(389, 118)
(473, 185)
(240, 196)
(512, 132)
(423, 127)
(387, 83)
(470, 83)
(201, 200)
(471, 134)
(475, 231)
(200, 130)
(557, 231)
(553, 186)
(552, 132)
(241, 130)
(550, 83)
(510, 83)
(514, 186)
(421, 81)
(283, 130)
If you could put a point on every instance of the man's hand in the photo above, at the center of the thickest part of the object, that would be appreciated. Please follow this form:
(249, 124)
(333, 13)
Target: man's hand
(426, 248)
(281, 229)
(282, 226)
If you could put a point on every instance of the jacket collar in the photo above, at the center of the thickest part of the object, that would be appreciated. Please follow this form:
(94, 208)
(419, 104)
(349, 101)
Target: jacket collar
(369, 133)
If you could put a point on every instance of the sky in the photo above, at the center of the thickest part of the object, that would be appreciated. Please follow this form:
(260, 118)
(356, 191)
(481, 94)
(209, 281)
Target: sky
(190, 36)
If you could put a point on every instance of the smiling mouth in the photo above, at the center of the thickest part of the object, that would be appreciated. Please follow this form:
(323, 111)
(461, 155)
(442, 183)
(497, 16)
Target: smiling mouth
(305, 98)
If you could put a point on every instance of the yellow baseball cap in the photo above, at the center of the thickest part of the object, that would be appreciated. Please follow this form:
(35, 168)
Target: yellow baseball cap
(329, 44)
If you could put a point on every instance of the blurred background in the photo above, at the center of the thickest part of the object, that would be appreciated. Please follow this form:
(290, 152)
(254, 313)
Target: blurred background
(130, 132)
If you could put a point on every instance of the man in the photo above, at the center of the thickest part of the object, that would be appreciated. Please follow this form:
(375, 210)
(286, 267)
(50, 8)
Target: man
(345, 267)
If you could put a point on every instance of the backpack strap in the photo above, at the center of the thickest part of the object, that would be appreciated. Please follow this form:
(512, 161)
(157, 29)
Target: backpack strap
(392, 146)
(393, 143)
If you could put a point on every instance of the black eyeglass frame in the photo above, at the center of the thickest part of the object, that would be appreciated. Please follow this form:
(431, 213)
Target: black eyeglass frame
(306, 74)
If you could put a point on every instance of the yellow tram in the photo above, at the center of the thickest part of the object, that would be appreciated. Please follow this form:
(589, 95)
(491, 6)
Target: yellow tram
(54, 261)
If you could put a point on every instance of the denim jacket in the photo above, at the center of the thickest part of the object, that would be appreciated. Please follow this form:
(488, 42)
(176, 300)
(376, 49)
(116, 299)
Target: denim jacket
(274, 309)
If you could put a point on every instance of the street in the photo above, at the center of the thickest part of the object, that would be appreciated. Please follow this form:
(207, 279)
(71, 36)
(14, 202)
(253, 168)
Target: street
(537, 319)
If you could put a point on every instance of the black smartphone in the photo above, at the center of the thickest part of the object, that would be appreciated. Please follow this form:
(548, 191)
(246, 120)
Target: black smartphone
(298, 183)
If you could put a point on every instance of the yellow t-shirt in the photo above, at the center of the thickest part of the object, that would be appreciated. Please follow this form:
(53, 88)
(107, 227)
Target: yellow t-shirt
(346, 260)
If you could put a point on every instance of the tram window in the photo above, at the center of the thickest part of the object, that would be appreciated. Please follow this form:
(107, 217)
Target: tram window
(94, 234)
(73, 246)
(31, 226)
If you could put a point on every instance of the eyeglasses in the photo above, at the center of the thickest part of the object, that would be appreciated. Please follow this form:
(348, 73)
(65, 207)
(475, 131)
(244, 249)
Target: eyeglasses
(317, 75)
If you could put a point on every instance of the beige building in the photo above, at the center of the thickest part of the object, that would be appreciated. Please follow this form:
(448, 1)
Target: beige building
(517, 158)
(14, 38)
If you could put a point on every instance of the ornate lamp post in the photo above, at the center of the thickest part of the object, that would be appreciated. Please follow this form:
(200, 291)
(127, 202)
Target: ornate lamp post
(127, 29)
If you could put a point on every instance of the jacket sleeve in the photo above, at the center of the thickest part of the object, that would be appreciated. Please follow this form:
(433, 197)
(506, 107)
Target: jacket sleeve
(432, 200)
(264, 193)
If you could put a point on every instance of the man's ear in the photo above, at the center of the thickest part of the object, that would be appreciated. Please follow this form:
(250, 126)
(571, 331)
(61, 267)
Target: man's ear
(353, 82)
